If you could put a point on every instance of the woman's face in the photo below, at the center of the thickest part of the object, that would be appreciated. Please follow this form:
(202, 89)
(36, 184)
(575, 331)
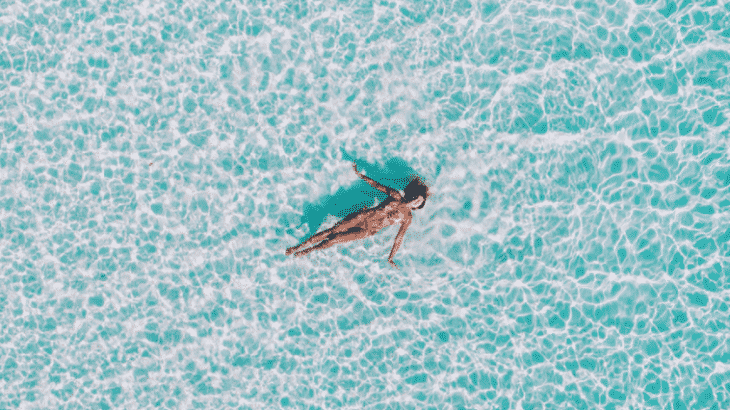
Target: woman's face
(416, 202)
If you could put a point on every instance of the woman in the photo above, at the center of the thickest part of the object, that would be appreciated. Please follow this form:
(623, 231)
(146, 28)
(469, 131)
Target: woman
(396, 209)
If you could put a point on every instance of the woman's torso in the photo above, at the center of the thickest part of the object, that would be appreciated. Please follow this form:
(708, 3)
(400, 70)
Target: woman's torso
(388, 212)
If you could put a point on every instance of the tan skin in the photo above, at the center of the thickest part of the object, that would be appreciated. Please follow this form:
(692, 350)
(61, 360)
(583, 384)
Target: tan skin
(366, 222)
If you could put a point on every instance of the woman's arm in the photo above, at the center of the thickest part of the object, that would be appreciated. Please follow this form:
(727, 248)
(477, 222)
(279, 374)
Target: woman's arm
(399, 240)
(390, 191)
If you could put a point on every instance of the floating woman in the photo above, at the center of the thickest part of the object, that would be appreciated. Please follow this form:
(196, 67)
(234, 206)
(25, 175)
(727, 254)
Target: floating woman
(396, 209)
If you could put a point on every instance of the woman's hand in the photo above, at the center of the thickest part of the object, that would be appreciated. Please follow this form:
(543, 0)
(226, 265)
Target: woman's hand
(354, 166)
(393, 263)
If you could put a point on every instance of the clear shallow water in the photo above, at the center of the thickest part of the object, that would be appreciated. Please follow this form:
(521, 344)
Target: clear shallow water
(157, 158)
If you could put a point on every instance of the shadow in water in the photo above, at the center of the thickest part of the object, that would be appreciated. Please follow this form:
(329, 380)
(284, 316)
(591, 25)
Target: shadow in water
(395, 173)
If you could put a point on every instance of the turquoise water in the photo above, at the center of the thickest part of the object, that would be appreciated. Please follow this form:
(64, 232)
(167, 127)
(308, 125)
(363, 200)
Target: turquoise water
(157, 158)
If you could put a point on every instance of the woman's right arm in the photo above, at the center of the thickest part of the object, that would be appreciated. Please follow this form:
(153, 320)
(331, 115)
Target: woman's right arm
(390, 191)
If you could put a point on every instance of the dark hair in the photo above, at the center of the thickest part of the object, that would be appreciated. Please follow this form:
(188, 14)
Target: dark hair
(415, 189)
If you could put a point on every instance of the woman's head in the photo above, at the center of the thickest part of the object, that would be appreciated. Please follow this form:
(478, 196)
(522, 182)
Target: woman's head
(416, 192)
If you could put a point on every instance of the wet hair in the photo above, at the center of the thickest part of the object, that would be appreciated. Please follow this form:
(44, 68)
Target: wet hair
(416, 188)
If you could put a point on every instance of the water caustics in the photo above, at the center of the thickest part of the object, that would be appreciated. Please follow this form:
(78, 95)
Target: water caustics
(158, 158)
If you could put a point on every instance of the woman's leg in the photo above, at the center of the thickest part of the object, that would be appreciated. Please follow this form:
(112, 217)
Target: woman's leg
(341, 227)
(317, 237)
(336, 238)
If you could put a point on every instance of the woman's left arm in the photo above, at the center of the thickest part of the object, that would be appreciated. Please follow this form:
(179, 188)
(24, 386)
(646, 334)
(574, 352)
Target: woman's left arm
(399, 240)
